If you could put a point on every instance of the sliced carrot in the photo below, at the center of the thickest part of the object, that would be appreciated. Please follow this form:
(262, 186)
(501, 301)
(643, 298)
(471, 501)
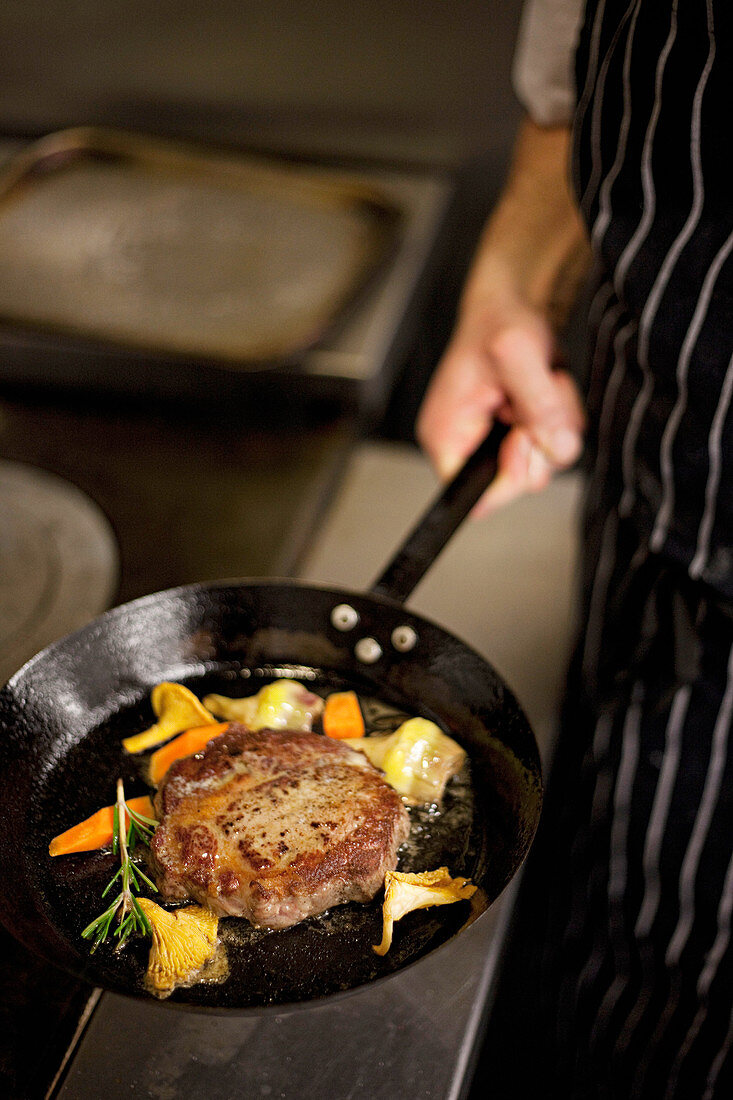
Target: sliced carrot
(96, 831)
(342, 715)
(193, 740)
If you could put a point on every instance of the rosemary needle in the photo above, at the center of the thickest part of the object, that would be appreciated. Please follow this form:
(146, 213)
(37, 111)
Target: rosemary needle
(125, 908)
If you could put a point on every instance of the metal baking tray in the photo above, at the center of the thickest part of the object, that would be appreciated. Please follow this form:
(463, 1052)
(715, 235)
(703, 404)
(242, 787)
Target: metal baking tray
(172, 248)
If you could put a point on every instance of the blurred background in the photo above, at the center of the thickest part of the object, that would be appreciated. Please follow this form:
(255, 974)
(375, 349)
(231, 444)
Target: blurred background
(416, 84)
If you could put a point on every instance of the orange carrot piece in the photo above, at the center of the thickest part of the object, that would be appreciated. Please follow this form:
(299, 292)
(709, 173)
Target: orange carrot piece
(342, 715)
(186, 744)
(96, 831)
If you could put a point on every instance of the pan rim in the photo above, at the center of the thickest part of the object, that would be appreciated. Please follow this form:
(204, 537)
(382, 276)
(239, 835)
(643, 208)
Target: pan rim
(118, 610)
(223, 586)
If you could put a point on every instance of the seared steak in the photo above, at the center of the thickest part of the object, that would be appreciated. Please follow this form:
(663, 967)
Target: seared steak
(275, 826)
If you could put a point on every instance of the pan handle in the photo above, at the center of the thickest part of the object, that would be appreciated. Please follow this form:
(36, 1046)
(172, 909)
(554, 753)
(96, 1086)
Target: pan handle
(422, 546)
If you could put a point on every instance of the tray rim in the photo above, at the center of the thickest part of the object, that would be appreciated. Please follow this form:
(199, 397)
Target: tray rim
(304, 183)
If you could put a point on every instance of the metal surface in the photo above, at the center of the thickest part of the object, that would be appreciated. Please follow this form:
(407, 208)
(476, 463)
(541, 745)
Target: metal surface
(168, 248)
(414, 1037)
(58, 562)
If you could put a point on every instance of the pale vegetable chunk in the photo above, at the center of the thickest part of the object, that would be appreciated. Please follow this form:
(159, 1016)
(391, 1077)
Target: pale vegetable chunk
(184, 941)
(283, 704)
(417, 759)
(404, 892)
(177, 709)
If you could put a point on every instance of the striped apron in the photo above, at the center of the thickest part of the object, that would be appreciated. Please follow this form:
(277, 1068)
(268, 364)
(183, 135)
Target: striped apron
(635, 855)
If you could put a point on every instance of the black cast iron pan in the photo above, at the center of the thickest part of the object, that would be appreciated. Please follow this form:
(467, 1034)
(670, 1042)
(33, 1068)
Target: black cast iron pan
(64, 714)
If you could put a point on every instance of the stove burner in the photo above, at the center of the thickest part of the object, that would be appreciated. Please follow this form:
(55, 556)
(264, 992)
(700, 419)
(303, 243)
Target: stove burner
(58, 562)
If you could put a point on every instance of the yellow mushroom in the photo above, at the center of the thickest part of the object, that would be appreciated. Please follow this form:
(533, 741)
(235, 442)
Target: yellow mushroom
(283, 704)
(417, 759)
(184, 941)
(177, 709)
(404, 892)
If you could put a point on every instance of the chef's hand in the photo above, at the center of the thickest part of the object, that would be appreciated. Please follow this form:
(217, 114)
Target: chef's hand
(502, 360)
(500, 364)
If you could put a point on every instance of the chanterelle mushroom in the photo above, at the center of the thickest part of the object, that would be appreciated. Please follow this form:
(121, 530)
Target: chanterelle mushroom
(184, 940)
(404, 892)
(177, 709)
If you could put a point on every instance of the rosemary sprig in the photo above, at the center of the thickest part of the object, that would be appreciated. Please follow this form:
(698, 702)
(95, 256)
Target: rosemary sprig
(125, 908)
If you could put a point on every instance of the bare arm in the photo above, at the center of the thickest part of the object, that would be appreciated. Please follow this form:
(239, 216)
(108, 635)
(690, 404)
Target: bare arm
(501, 358)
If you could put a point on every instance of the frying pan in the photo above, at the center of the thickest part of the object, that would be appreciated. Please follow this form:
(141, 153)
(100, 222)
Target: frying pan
(64, 714)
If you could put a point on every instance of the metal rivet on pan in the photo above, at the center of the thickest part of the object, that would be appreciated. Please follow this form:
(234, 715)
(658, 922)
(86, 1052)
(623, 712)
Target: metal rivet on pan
(344, 617)
(368, 650)
(404, 638)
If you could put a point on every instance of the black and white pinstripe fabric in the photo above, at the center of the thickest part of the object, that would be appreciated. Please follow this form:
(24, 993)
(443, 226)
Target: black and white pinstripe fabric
(644, 1001)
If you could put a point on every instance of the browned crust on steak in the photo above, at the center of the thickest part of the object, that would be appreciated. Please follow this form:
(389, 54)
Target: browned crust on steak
(275, 825)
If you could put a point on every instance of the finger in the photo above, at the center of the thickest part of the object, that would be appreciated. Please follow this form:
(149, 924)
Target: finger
(523, 468)
(543, 400)
(458, 408)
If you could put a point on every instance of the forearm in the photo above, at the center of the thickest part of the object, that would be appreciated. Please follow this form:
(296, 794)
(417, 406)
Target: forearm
(534, 249)
(502, 358)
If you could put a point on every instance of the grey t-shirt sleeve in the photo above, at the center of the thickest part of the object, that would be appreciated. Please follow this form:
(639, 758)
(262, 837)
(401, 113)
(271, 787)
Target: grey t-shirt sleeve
(543, 67)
